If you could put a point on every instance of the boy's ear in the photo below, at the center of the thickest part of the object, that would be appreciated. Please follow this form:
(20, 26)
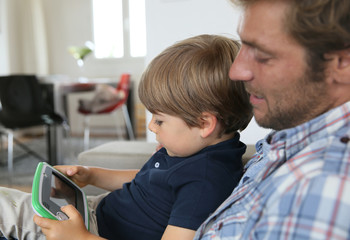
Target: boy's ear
(340, 65)
(208, 123)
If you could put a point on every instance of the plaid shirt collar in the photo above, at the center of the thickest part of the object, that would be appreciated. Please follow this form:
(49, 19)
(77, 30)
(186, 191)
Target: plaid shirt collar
(286, 144)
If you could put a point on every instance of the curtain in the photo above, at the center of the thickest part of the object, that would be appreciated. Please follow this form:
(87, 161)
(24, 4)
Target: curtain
(23, 35)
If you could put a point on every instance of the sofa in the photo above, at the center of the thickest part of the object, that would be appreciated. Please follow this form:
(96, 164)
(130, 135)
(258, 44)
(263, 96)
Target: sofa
(124, 155)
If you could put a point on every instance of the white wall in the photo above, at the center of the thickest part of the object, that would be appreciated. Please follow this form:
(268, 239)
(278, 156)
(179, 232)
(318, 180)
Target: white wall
(3, 38)
(63, 23)
(70, 23)
(36, 35)
(169, 21)
(11, 58)
(22, 36)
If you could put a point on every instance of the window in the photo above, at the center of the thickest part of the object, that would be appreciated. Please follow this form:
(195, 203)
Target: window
(137, 15)
(119, 28)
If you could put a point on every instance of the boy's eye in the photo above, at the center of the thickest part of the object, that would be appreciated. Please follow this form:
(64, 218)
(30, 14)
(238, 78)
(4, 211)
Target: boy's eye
(157, 122)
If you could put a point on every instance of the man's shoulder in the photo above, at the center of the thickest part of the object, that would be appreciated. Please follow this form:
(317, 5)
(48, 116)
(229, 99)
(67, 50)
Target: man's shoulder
(313, 168)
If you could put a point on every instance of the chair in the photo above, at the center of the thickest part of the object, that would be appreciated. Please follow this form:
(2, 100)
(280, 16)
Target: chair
(23, 105)
(124, 86)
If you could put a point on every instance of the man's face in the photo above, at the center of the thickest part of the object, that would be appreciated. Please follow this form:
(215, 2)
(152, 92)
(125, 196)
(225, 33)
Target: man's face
(274, 69)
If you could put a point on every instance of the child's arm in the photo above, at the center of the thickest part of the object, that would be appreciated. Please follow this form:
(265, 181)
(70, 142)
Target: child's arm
(73, 228)
(107, 179)
(175, 233)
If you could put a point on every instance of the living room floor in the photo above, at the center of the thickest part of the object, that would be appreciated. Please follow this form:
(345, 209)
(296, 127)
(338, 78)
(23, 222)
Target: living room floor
(24, 165)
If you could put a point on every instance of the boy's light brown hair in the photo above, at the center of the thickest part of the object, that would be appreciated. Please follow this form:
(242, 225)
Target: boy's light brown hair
(191, 77)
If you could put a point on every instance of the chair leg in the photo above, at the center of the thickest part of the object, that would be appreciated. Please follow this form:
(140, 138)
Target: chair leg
(10, 156)
(86, 132)
(51, 144)
(118, 128)
(28, 150)
(2, 146)
(128, 122)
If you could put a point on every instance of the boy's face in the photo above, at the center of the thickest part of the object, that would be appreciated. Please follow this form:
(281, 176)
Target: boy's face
(176, 137)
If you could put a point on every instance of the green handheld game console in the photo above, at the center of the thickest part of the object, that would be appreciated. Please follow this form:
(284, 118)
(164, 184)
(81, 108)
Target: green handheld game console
(51, 190)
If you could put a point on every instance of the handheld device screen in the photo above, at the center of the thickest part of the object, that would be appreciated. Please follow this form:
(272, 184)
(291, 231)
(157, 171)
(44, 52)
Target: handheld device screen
(61, 193)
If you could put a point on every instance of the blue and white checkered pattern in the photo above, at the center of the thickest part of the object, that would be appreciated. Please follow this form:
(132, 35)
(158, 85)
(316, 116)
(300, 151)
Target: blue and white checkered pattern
(303, 192)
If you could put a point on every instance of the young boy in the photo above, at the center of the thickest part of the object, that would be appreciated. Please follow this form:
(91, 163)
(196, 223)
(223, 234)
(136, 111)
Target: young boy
(197, 113)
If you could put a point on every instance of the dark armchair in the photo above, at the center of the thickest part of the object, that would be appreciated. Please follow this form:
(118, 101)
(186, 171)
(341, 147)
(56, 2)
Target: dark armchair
(22, 105)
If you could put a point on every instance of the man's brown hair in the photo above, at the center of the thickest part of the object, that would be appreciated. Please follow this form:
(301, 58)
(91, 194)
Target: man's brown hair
(191, 77)
(320, 26)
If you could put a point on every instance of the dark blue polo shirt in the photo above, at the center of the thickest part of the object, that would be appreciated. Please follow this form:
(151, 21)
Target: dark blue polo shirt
(172, 191)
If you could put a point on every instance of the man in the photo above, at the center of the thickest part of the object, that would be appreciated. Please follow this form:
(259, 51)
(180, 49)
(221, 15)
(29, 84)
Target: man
(295, 63)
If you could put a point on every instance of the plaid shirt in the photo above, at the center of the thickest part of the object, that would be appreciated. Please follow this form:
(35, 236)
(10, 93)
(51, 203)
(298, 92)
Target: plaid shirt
(303, 192)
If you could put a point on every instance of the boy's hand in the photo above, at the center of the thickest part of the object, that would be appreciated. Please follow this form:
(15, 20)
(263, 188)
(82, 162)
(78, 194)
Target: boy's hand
(73, 228)
(79, 174)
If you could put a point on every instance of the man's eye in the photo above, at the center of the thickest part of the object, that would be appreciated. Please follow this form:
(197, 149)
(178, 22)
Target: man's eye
(158, 122)
(261, 57)
(262, 60)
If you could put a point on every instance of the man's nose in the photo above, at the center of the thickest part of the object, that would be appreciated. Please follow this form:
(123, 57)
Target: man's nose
(241, 68)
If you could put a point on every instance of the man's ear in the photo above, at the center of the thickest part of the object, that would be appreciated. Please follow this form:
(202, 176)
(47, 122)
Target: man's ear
(339, 66)
(208, 123)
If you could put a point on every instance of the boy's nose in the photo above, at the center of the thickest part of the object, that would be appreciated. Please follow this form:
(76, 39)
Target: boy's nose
(151, 126)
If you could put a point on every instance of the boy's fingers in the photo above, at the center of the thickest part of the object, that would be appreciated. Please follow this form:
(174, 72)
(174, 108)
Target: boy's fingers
(61, 168)
(70, 211)
(71, 171)
(67, 170)
(42, 222)
(80, 170)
